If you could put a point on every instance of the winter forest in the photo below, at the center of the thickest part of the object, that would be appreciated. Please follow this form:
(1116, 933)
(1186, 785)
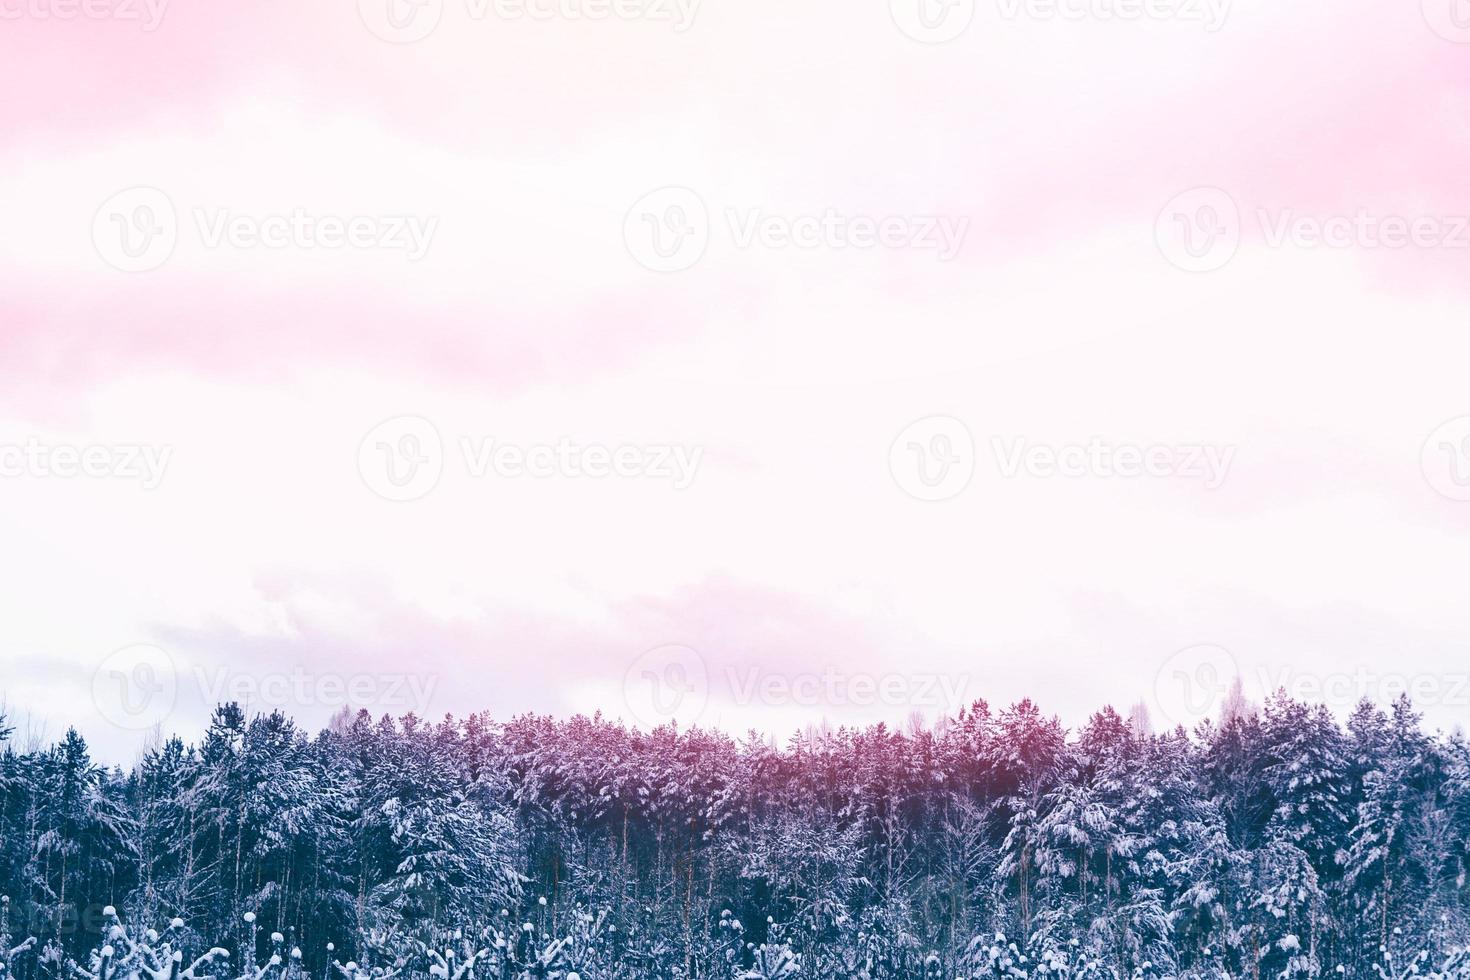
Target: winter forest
(1273, 842)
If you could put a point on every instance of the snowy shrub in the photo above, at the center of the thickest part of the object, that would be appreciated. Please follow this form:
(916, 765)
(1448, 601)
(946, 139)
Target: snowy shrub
(149, 956)
(382, 954)
(772, 961)
(994, 958)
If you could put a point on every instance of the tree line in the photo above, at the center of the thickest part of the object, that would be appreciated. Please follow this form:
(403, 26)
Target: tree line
(1272, 842)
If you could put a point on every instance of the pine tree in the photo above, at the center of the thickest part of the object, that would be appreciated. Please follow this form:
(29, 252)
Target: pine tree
(11, 947)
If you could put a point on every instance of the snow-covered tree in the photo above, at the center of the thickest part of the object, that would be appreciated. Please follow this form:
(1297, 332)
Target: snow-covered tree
(124, 955)
(11, 947)
(1274, 843)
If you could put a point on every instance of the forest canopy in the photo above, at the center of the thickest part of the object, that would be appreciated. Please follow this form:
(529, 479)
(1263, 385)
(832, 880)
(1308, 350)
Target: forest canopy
(1275, 842)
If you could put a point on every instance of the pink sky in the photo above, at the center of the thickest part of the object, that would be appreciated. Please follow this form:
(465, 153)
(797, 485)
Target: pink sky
(1332, 547)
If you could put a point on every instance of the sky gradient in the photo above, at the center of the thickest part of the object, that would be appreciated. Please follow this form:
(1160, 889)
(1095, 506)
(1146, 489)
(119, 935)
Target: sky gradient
(752, 365)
